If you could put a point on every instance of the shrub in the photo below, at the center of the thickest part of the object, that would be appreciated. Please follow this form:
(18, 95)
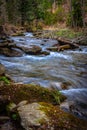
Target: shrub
(59, 14)
(49, 18)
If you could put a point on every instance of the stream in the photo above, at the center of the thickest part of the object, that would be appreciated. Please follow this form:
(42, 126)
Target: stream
(67, 68)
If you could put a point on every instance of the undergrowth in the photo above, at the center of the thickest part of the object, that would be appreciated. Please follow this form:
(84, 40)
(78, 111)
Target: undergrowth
(68, 33)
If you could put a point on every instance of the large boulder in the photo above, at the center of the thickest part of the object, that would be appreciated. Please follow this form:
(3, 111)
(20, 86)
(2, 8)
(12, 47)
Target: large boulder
(44, 116)
(2, 69)
(32, 49)
(31, 116)
(8, 48)
(11, 52)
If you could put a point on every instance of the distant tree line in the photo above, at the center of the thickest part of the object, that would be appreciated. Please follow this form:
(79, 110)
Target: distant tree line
(50, 11)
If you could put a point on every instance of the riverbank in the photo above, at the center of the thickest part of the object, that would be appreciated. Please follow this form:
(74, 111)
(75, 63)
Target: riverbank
(66, 39)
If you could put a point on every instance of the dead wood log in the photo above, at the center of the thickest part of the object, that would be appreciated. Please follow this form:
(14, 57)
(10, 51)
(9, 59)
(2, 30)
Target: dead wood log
(70, 43)
(64, 47)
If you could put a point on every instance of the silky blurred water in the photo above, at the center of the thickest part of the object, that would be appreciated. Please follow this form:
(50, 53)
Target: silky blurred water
(49, 71)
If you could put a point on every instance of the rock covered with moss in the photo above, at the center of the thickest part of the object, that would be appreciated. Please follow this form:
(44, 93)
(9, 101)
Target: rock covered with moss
(32, 93)
(45, 116)
(39, 109)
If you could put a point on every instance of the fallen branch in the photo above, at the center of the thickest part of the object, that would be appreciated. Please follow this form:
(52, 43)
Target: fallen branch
(64, 47)
(66, 44)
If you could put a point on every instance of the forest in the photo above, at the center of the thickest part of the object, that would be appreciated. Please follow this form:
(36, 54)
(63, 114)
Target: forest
(48, 12)
(43, 64)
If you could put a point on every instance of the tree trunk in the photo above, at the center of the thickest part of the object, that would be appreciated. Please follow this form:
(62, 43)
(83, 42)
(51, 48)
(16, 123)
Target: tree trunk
(83, 11)
(77, 13)
(3, 15)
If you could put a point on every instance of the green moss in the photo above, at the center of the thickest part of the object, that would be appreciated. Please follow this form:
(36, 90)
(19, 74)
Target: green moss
(32, 93)
(42, 121)
(57, 96)
(46, 97)
(3, 78)
(10, 106)
(60, 119)
(38, 93)
(12, 112)
(14, 116)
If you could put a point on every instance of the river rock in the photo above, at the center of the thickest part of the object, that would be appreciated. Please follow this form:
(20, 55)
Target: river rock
(71, 107)
(31, 116)
(7, 43)
(45, 53)
(45, 116)
(2, 69)
(11, 52)
(32, 49)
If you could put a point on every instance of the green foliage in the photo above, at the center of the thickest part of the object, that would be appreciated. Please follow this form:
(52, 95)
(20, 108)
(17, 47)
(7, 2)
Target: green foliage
(56, 96)
(69, 19)
(52, 18)
(10, 106)
(75, 17)
(12, 8)
(59, 14)
(49, 18)
(12, 112)
(1, 3)
(3, 78)
(67, 33)
(28, 10)
(60, 2)
(25, 11)
(15, 116)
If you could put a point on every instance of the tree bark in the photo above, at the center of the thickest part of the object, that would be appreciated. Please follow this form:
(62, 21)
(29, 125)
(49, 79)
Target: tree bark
(83, 11)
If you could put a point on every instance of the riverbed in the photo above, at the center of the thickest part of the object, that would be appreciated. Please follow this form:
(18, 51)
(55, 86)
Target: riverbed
(67, 68)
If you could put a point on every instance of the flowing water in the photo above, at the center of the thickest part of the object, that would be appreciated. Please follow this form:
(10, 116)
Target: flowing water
(69, 67)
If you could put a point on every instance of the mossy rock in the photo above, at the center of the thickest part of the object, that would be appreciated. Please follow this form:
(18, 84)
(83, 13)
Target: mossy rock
(32, 93)
(60, 120)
